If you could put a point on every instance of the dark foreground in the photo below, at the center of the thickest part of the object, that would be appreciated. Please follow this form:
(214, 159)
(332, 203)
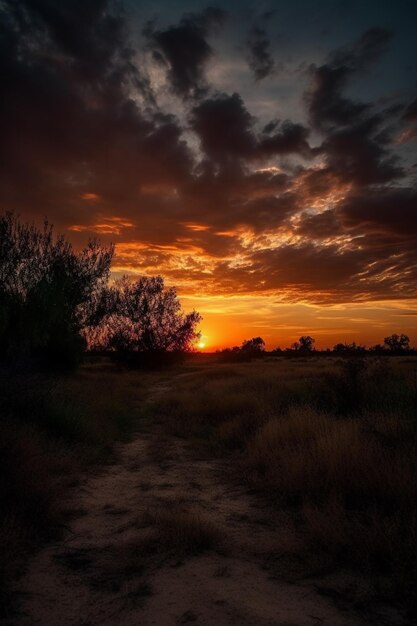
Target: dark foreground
(270, 492)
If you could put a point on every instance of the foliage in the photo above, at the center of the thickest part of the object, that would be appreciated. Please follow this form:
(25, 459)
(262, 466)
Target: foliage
(143, 316)
(305, 345)
(331, 440)
(349, 349)
(254, 345)
(397, 343)
(47, 291)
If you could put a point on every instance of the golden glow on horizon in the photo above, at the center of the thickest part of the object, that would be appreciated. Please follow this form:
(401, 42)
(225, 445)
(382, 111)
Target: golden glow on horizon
(228, 320)
(280, 315)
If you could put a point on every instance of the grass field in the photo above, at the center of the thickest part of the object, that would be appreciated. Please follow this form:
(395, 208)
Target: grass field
(332, 442)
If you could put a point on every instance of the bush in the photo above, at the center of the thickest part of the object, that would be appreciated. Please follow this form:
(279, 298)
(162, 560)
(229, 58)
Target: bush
(48, 292)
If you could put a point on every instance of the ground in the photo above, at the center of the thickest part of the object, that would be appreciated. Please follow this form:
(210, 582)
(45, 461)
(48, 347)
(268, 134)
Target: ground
(167, 534)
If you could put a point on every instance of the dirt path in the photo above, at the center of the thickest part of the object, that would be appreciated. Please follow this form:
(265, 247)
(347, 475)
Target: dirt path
(111, 570)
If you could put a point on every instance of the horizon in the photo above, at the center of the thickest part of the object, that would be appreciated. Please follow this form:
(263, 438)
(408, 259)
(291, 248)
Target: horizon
(263, 164)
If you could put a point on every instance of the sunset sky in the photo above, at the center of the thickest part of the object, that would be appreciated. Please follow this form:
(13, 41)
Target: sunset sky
(260, 156)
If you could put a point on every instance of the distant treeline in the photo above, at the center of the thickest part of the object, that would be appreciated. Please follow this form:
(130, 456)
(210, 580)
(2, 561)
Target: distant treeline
(55, 302)
(395, 344)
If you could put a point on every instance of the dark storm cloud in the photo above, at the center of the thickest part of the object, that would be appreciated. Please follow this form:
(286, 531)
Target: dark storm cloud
(360, 153)
(226, 131)
(67, 121)
(91, 44)
(327, 105)
(291, 138)
(382, 215)
(84, 142)
(185, 51)
(225, 127)
(410, 114)
(379, 226)
(324, 225)
(391, 211)
(324, 274)
(260, 59)
(357, 139)
(318, 273)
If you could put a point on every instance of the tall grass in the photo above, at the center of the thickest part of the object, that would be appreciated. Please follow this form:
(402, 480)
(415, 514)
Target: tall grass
(335, 441)
(51, 430)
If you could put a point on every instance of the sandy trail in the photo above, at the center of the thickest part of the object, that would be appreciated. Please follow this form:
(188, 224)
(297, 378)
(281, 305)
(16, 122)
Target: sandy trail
(84, 580)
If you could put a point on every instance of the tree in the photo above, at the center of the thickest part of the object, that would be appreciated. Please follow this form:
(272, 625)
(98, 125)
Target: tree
(306, 344)
(255, 345)
(349, 348)
(397, 343)
(48, 292)
(143, 316)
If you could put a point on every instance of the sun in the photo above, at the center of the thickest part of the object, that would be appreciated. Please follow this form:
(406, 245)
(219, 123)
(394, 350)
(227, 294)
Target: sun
(202, 342)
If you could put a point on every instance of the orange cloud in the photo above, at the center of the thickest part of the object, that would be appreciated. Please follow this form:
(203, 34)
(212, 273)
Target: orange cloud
(89, 196)
(109, 226)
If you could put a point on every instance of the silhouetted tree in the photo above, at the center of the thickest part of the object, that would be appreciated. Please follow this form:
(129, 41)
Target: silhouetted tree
(143, 316)
(346, 349)
(397, 343)
(254, 345)
(306, 344)
(48, 292)
(377, 349)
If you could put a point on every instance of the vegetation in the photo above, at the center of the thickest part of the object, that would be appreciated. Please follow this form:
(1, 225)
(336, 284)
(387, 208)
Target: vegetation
(55, 302)
(47, 292)
(333, 441)
(143, 316)
(51, 431)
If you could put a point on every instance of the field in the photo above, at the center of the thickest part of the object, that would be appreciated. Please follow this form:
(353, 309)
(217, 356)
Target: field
(292, 478)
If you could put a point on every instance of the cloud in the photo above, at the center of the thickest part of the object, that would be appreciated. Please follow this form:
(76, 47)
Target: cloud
(260, 59)
(68, 122)
(357, 138)
(410, 114)
(225, 127)
(226, 131)
(203, 190)
(391, 211)
(291, 138)
(327, 106)
(185, 51)
(359, 153)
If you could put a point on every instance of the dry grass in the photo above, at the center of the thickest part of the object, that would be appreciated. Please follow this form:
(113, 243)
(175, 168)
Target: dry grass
(335, 441)
(185, 532)
(161, 536)
(52, 430)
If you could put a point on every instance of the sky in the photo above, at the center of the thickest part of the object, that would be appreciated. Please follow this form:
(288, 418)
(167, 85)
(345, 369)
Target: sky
(260, 156)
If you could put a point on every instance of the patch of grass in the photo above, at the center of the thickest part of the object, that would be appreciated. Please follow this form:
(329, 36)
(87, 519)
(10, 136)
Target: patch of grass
(184, 532)
(160, 536)
(332, 440)
(51, 431)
